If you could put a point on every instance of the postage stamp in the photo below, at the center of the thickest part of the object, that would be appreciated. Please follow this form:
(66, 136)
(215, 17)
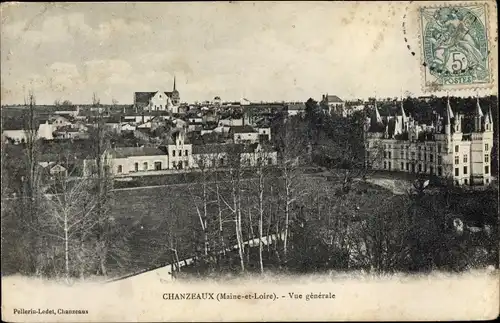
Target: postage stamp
(455, 47)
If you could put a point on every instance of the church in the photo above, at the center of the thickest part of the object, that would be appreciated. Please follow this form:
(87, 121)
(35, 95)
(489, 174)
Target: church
(158, 101)
(399, 143)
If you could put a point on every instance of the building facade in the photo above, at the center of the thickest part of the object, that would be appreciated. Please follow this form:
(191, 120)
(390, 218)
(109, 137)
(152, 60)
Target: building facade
(158, 101)
(399, 143)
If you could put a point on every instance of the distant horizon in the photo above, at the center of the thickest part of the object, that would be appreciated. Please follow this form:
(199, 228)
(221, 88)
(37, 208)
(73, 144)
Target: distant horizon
(255, 102)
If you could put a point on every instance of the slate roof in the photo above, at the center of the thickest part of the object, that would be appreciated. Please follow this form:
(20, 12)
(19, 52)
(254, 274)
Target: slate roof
(242, 129)
(124, 152)
(333, 98)
(224, 148)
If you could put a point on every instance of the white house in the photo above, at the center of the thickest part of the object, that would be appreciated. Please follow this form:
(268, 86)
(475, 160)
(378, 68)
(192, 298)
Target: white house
(241, 134)
(295, 108)
(131, 160)
(334, 104)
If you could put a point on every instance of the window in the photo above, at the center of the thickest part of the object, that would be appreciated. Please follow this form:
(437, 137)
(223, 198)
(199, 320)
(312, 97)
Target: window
(425, 168)
(120, 169)
(136, 167)
(407, 166)
(466, 182)
(173, 153)
(413, 155)
(145, 165)
(440, 171)
(402, 154)
(239, 137)
(486, 169)
(157, 165)
(179, 164)
(486, 147)
(389, 154)
(390, 165)
(425, 156)
(185, 152)
(487, 158)
(439, 148)
(221, 161)
(385, 154)
(385, 165)
(465, 170)
(440, 160)
(180, 153)
(457, 172)
(419, 168)
(186, 164)
(431, 169)
(402, 166)
(465, 158)
(456, 149)
(457, 160)
(487, 181)
(431, 158)
(269, 161)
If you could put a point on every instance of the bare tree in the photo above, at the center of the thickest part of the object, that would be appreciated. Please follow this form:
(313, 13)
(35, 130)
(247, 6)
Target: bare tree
(103, 186)
(68, 217)
(291, 157)
(201, 203)
(32, 182)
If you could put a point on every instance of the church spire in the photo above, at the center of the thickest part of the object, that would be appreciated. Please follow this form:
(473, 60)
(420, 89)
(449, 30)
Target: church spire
(174, 85)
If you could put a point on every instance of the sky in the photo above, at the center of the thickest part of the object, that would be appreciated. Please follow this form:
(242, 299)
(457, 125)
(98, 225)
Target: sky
(260, 51)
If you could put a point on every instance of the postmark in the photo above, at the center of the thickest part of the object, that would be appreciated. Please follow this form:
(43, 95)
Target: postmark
(455, 49)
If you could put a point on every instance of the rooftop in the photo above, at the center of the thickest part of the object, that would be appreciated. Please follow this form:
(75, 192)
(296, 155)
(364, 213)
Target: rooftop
(242, 129)
(124, 152)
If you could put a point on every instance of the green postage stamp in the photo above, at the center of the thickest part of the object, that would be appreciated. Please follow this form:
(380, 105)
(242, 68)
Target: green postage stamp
(455, 47)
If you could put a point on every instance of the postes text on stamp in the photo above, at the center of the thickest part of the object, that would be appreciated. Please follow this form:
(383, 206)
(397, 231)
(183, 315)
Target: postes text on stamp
(455, 48)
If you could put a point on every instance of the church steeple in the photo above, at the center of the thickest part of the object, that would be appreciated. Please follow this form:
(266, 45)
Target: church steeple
(175, 89)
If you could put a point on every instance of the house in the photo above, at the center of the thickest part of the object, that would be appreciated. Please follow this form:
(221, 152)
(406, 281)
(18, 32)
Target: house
(60, 121)
(68, 132)
(127, 160)
(243, 134)
(400, 143)
(13, 130)
(157, 101)
(70, 110)
(334, 104)
(264, 133)
(137, 118)
(179, 150)
(225, 155)
(230, 122)
(296, 108)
